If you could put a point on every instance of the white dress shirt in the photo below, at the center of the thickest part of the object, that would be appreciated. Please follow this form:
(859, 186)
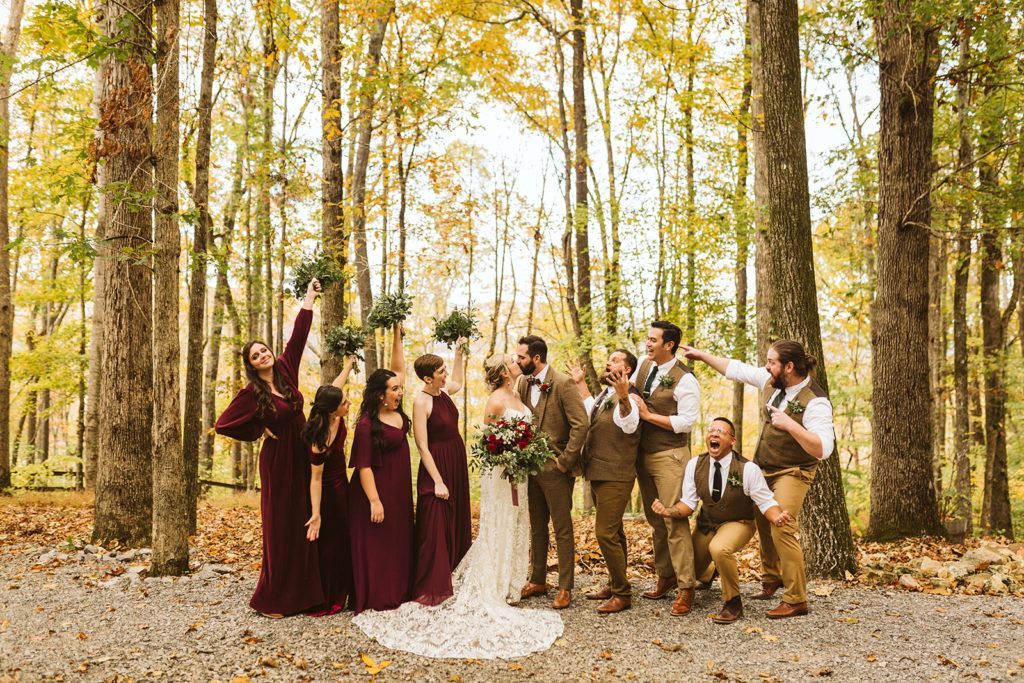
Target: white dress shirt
(686, 393)
(754, 484)
(627, 424)
(817, 415)
(535, 389)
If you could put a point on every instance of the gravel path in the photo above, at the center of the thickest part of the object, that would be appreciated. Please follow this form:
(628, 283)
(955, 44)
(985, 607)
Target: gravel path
(59, 619)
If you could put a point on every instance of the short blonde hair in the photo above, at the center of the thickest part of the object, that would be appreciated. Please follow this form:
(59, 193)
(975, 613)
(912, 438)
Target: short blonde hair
(494, 371)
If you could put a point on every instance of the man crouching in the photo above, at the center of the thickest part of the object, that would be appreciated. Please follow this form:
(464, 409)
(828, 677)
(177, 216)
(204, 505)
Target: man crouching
(728, 486)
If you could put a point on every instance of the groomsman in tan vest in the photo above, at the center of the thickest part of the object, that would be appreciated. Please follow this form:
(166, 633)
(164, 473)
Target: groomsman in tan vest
(559, 413)
(671, 402)
(796, 433)
(728, 487)
(609, 464)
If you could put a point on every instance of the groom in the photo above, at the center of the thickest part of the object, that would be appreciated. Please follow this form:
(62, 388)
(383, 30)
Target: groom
(559, 413)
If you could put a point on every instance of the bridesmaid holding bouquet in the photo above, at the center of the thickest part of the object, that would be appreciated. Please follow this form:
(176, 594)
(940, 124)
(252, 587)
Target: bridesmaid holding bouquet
(324, 434)
(443, 528)
(271, 406)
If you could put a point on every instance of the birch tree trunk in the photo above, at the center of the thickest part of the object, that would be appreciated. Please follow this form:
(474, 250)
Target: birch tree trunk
(903, 498)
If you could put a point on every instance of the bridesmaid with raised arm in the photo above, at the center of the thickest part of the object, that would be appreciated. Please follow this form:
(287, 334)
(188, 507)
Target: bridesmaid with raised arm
(271, 406)
(324, 434)
(380, 498)
(443, 528)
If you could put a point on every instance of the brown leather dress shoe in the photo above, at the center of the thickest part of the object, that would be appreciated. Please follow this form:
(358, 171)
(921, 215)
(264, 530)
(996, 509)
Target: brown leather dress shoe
(768, 589)
(785, 610)
(683, 603)
(731, 611)
(614, 604)
(661, 589)
(531, 589)
(562, 599)
(602, 594)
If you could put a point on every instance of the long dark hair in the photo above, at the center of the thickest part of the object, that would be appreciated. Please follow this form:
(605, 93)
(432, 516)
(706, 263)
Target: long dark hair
(376, 387)
(261, 390)
(793, 352)
(318, 426)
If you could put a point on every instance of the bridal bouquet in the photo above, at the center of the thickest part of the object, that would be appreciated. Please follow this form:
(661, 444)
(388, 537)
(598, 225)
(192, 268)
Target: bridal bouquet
(389, 310)
(345, 340)
(514, 445)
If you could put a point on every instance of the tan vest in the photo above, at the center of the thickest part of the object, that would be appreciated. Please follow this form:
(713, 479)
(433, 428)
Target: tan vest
(733, 506)
(609, 454)
(776, 448)
(662, 401)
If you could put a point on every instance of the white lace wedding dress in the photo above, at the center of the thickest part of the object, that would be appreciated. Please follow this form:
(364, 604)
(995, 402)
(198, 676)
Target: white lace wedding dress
(477, 622)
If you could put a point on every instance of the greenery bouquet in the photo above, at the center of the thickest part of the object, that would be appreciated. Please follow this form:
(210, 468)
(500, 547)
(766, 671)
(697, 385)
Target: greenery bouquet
(389, 310)
(346, 340)
(458, 323)
(320, 267)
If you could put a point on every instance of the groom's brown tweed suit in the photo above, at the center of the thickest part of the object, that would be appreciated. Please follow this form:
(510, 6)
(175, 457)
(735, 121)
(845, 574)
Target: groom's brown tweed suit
(560, 414)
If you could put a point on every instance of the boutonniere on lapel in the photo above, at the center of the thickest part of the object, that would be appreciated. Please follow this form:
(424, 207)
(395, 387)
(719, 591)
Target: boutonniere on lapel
(608, 404)
(735, 479)
(795, 407)
(666, 381)
(545, 387)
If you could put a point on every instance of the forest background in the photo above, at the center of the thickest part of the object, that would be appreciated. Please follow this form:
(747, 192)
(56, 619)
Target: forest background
(566, 168)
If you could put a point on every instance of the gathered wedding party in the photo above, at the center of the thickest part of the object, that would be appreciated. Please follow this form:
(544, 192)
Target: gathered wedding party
(494, 341)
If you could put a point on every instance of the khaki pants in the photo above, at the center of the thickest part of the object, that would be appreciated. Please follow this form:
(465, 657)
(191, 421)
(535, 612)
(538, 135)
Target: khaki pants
(550, 494)
(660, 475)
(781, 556)
(720, 546)
(611, 499)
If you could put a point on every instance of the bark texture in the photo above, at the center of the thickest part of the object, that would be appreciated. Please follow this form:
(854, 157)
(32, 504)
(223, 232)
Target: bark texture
(903, 499)
(124, 485)
(171, 472)
(332, 191)
(825, 525)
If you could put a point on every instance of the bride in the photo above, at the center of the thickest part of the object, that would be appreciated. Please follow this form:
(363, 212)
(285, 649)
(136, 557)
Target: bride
(478, 621)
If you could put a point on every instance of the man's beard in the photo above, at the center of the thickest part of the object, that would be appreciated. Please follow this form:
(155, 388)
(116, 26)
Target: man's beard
(606, 378)
(528, 369)
(779, 382)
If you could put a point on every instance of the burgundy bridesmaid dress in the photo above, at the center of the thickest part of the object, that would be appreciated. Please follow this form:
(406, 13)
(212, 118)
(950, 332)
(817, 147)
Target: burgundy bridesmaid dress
(443, 528)
(290, 573)
(381, 553)
(333, 544)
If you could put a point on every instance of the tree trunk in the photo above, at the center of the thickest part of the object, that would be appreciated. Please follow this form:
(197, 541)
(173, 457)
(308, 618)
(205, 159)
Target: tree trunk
(762, 275)
(962, 417)
(741, 219)
(124, 485)
(903, 500)
(192, 425)
(8, 51)
(332, 189)
(937, 353)
(825, 525)
(173, 465)
(384, 10)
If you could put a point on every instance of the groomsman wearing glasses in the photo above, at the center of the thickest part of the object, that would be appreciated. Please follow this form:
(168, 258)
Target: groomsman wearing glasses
(796, 433)
(728, 487)
(671, 402)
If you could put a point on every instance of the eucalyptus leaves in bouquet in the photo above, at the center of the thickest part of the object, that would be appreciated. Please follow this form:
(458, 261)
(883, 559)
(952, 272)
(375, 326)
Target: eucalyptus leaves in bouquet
(458, 323)
(346, 340)
(389, 310)
(320, 267)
